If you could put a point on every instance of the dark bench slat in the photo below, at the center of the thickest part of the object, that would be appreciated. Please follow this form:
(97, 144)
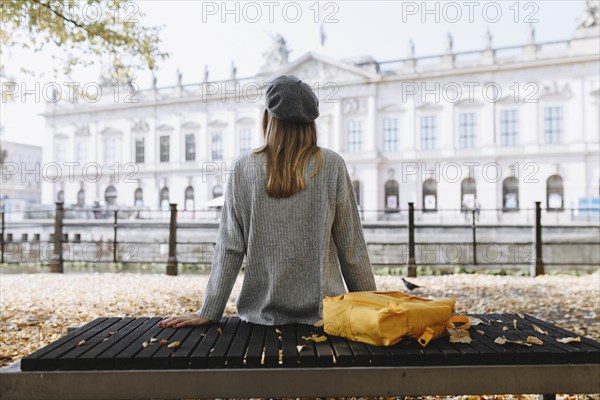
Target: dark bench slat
(541, 354)
(180, 358)
(255, 348)
(406, 352)
(343, 354)
(218, 355)
(521, 354)
(125, 359)
(361, 354)
(49, 361)
(324, 353)
(289, 351)
(143, 359)
(199, 358)
(588, 346)
(69, 360)
(307, 357)
(89, 360)
(272, 347)
(30, 363)
(107, 359)
(491, 353)
(235, 355)
(161, 358)
(379, 355)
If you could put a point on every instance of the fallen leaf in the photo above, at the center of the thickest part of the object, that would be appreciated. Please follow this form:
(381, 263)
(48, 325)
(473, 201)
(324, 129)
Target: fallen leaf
(521, 315)
(480, 332)
(111, 333)
(163, 342)
(174, 344)
(569, 339)
(538, 329)
(475, 321)
(459, 335)
(505, 328)
(145, 344)
(299, 347)
(277, 330)
(319, 323)
(315, 338)
(220, 330)
(504, 340)
(81, 343)
(152, 340)
(534, 340)
(515, 323)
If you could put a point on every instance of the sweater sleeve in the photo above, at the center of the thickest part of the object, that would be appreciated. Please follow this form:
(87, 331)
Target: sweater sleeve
(227, 261)
(348, 236)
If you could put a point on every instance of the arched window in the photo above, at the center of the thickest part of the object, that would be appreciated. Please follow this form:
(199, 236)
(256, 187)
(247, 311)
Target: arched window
(217, 191)
(430, 195)
(81, 198)
(138, 197)
(555, 193)
(392, 195)
(110, 196)
(189, 198)
(164, 199)
(510, 194)
(468, 193)
(60, 196)
(356, 187)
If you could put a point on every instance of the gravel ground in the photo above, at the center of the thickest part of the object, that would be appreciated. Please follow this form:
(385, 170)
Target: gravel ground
(38, 308)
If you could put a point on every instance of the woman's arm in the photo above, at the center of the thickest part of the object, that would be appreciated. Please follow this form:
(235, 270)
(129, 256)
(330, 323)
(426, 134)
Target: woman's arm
(227, 261)
(349, 238)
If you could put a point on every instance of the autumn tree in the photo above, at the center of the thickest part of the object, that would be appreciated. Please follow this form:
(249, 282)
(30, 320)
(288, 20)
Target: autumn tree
(85, 31)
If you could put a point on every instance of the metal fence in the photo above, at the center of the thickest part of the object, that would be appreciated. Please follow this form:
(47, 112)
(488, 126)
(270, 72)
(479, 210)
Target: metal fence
(413, 239)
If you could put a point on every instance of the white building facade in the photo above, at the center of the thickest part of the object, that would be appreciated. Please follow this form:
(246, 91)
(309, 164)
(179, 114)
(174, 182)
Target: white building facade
(491, 129)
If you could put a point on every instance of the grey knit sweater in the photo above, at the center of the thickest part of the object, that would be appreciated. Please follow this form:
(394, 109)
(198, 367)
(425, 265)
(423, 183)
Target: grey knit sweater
(298, 249)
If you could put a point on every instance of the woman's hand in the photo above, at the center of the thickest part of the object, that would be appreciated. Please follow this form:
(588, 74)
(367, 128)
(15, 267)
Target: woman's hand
(184, 320)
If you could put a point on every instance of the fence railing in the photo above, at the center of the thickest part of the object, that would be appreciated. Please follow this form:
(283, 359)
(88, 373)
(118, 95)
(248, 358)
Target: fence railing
(413, 247)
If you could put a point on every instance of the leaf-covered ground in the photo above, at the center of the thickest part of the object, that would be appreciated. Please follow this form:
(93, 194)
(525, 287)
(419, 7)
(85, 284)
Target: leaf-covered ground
(36, 309)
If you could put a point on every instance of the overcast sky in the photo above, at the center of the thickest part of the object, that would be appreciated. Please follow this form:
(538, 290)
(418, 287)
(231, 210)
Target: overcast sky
(198, 33)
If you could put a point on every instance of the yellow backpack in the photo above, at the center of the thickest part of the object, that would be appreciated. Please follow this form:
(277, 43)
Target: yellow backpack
(384, 318)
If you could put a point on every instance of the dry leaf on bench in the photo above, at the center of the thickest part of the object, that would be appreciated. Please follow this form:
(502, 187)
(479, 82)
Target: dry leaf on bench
(503, 340)
(480, 332)
(145, 344)
(475, 321)
(315, 338)
(459, 335)
(220, 330)
(569, 339)
(174, 344)
(299, 348)
(538, 329)
(163, 342)
(515, 323)
(319, 323)
(152, 340)
(534, 340)
(505, 328)
(521, 315)
(81, 343)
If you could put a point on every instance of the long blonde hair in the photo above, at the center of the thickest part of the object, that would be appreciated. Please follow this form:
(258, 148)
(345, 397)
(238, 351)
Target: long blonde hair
(289, 147)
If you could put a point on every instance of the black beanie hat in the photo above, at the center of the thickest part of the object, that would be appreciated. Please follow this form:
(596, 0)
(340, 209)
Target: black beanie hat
(290, 99)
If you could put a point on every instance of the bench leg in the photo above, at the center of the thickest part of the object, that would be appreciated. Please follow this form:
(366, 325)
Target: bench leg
(548, 396)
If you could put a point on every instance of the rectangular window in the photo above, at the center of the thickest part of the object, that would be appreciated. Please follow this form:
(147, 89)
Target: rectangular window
(139, 150)
(217, 145)
(428, 132)
(110, 150)
(81, 151)
(355, 136)
(467, 131)
(190, 147)
(509, 127)
(164, 148)
(553, 124)
(60, 150)
(390, 134)
(245, 140)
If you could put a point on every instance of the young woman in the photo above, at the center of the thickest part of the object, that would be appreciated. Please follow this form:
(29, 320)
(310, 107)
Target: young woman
(290, 209)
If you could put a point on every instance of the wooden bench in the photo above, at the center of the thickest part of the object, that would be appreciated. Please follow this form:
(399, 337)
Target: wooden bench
(107, 359)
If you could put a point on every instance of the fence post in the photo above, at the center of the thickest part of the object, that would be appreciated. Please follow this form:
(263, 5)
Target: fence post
(537, 268)
(56, 265)
(115, 243)
(172, 260)
(474, 238)
(412, 267)
(2, 239)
